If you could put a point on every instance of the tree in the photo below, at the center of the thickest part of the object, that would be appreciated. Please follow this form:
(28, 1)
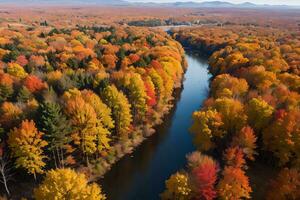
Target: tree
(282, 137)
(238, 87)
(234, 184)
(203, 176)
(102, 110)
(24, 95)
(234, 157)
(285, 186)
(16, 70)
(177, 187)
(150, 90)
(109, 61)
(158, 84)
(5, 168)
(232, 112)
(88, 133)
(6, 87)
(67, 184)
(11, 115)
(22, 60)
(259, 113)
(207, 126)
(137, 96)
(120, 108)
(27, 145)
(57, 130)
(246, 139)
(34, 84)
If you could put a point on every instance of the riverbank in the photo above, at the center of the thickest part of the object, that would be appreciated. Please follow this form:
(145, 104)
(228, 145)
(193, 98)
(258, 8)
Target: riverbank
(164, 152)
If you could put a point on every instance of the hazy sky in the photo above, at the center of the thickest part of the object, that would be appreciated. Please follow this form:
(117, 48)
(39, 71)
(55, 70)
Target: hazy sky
(273, 2)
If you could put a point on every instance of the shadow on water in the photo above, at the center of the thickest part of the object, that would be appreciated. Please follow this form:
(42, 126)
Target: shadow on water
(142, 174)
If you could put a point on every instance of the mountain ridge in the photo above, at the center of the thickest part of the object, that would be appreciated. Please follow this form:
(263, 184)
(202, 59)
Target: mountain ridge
(180, 4)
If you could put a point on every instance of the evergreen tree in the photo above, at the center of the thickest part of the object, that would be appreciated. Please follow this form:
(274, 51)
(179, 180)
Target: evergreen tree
(5, 92)
(56, 128)
(24, 95)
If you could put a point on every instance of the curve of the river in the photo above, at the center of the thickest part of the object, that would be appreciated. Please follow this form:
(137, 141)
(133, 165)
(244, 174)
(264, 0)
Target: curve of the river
(142, 175)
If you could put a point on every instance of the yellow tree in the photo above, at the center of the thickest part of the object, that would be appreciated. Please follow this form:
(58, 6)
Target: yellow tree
(102, 110)
(66, 184)
(89, 133)
(259, 113)
(177, 187)
(120, 108)
(16, 70)
(238, 87)
(26, 144)
(158, 84)
(136, 95)
(232, 112)
(207, 125)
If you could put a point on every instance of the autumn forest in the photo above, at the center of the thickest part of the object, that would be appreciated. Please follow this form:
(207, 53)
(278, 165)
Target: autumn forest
(88, 92)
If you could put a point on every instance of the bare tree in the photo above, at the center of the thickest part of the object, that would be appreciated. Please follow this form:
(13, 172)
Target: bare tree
(5, 171)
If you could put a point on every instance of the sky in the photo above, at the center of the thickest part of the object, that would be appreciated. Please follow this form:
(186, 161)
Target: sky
(272, 2)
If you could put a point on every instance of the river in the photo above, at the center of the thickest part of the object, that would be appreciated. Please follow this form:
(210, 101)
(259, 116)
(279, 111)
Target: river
(142, 174)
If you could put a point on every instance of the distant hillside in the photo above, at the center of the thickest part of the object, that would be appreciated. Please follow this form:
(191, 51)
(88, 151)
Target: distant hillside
(213, 4)
(66, 2)
(190, 4)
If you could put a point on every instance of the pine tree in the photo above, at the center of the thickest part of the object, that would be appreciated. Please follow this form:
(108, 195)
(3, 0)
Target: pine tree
(24, 95)
(56, 128)
(6, 92)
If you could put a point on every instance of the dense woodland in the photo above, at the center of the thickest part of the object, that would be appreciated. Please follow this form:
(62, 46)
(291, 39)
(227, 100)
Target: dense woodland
(80, 87)
(252, 114)
(80, 99)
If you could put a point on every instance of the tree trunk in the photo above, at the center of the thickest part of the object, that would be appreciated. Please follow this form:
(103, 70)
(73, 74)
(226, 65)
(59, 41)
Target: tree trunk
(54, 157)
(5, 182)
(62, 158)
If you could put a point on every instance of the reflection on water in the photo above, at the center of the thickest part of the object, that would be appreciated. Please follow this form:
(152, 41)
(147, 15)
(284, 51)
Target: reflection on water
(141, 175)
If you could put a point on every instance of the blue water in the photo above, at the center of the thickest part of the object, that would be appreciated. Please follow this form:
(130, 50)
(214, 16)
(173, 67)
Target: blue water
(142, 175)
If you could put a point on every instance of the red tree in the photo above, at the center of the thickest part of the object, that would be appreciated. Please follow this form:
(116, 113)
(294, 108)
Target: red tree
(34, 84)
(134, 58)
(150, 90)
(206, 176)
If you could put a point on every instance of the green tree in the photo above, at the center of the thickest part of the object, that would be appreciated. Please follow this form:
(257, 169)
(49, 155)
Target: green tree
(57, 130)
(24, 95)
(6, 92)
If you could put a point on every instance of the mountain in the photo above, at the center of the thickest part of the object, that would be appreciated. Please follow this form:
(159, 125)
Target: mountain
(65, 2)
(179, 4)
(212, 4)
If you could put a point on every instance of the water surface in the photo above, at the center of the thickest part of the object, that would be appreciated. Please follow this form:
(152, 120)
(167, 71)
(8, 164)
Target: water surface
(142, 175)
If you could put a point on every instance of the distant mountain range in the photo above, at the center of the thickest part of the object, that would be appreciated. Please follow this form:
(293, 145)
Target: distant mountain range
(214, 4)
(190, 4)
(66, 2)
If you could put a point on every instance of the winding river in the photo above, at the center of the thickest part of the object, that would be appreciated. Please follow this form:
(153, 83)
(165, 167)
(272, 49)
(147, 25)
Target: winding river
(142, 174)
